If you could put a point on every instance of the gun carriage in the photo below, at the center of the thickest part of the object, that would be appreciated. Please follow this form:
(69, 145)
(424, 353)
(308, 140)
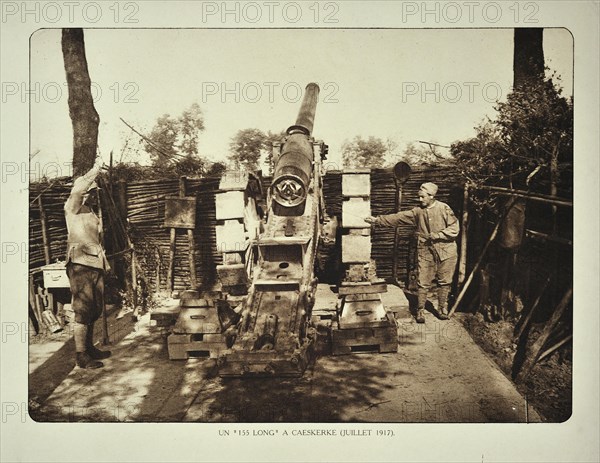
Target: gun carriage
(261, 322)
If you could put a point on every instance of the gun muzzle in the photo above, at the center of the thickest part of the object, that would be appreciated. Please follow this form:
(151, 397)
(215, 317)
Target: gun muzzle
(293, 170)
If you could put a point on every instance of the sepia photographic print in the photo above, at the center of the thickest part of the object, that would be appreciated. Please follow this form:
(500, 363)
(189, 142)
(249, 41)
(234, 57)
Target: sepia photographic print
(283, 223)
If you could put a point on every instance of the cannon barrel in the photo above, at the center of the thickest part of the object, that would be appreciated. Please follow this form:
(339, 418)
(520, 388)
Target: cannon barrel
(306, 115)
(293, 168)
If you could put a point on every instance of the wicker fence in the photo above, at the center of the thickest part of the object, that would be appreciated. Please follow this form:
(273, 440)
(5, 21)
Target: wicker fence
(145, 202)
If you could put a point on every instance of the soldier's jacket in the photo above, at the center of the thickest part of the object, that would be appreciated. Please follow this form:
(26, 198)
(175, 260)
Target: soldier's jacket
(84, 228)
(443, 227)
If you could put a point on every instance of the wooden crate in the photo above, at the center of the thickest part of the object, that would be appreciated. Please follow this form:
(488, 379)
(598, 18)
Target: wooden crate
(229, 205)
(354, 211)
(365, 340)
(356, 249)
(356, 183)
(55, 275)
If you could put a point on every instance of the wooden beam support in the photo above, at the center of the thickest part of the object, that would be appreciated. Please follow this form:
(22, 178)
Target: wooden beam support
(475, 269)
(462, 261)
(549, 199)
(191, 242)
(171, 260)
(536, 349)
(523, 324)
(44, 225)
(559, 344)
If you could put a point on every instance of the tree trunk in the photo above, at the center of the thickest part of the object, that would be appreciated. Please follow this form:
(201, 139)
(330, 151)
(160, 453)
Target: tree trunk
(528, 61)
(83, 114)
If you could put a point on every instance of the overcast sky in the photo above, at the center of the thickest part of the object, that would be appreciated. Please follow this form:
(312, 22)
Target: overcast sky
(407, 85)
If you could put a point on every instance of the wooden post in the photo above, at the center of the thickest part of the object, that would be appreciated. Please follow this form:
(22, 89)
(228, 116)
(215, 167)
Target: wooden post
(506, 293)
(527, 318)
(536, 349)
(484, 289)
(105, 339)
(110, 172)
(480, 260)
(134, 287)
(546, 237)
(122, 199)
(171, 260)
(474, 271)
(462, 262)
(401, 173)
(192, 246)
(396, 235)
(548, 199)
(559, 344)
(33, 303)
(554, 178)
(120, 207)
(157, 283)
(44, 224)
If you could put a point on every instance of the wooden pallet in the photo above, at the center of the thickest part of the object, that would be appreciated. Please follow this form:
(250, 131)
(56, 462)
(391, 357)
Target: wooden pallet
(184, 346)
(365, 339)
(272, 363)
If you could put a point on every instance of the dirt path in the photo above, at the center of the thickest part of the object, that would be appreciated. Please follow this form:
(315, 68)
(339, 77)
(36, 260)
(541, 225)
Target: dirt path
(438, 375)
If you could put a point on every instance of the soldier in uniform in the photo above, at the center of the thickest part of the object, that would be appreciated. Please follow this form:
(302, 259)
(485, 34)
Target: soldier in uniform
(437, 229)
(86, 266)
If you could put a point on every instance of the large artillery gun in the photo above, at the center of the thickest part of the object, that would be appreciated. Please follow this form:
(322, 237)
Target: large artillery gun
(274, 335)
(261, 321)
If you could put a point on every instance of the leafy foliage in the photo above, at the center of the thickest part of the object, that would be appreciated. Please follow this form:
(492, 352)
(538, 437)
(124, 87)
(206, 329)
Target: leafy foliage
(248, 145)
(175, 141)
(216, 169)
(361, 153)
(191, 123)
(528, 145)
(189, 166)
(421, 155)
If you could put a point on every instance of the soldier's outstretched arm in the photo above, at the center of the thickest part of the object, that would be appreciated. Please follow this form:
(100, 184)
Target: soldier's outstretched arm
(391, 220)
(80, 187)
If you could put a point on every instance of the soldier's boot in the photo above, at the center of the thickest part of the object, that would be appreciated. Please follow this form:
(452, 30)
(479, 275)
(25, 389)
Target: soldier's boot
(92, 351)
(422, 300)
(442, 293)
(82, 358)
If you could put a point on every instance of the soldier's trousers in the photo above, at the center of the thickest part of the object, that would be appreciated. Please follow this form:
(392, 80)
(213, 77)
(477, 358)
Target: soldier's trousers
(87, 292)
(442, 271)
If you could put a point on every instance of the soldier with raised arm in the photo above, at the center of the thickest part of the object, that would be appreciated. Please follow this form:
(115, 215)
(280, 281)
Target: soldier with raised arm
(437, 229)
(86, 266)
